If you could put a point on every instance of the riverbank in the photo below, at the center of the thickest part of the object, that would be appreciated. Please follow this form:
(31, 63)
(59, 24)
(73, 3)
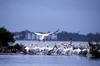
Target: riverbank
(57, 49)
(45, 48)
(10, 53)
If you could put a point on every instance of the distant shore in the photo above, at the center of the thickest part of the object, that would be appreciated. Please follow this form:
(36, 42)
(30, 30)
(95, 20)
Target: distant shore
(10, 53)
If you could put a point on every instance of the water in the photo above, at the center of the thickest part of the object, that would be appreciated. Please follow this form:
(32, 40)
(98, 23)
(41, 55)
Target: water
(41, 60)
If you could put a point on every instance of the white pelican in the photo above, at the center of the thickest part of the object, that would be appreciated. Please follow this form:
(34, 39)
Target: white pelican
(27, 49)
(43, 36)
(77, 51)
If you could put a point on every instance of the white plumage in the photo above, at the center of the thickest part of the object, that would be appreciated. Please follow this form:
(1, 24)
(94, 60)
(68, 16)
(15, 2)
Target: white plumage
(44, 35)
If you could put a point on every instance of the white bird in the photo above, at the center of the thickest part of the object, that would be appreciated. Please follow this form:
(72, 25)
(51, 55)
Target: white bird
(77, 51)
(44, 35)
(27, 49)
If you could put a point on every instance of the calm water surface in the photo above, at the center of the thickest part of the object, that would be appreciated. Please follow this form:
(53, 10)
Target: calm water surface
(31, 60)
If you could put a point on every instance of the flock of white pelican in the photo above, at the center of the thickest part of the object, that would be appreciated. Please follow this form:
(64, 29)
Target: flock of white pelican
(57, 50)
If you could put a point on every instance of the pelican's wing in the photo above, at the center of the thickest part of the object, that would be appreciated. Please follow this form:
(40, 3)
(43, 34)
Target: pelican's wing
(52, 32)
(38, 33)
(49, 33)
(56, 31)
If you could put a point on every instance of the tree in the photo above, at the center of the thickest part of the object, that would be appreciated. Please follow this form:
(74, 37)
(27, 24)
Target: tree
(94, 37)
(19, 46)
(97, 38)
(5, 37)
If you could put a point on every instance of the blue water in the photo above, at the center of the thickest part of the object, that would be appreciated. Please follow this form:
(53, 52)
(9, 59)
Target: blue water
(38, 60)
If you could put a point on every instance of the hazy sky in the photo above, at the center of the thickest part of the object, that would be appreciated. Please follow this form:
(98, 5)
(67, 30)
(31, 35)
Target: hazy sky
(48, 15)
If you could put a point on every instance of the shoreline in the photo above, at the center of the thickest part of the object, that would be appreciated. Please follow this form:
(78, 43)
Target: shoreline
(11, 54)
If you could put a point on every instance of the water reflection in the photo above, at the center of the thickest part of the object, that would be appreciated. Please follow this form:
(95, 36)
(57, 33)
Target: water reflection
(39, 60)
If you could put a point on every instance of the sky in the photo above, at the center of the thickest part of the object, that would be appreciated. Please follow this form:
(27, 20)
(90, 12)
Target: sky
(78, 16)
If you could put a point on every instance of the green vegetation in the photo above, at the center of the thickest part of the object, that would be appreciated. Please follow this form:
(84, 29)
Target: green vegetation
(65, 36)
(5, 37)
(94, 49)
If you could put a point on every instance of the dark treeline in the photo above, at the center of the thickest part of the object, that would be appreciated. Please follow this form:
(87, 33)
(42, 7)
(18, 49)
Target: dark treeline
(6, 37)
(66, 36)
